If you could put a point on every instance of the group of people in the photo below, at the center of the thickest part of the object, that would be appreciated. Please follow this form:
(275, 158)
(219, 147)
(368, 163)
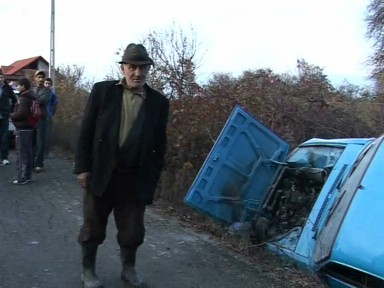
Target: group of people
(31, 140)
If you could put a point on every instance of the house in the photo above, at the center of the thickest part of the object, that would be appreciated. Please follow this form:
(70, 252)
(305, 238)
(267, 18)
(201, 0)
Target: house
(24, 68)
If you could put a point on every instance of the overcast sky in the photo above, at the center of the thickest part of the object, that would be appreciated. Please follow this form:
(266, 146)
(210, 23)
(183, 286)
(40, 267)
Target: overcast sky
(234, 35)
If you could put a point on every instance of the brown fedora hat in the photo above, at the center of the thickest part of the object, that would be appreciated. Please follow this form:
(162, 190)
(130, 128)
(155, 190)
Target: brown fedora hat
(136, 54)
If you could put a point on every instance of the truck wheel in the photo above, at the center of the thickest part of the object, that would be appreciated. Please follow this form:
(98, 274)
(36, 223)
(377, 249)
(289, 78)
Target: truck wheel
(260, 230)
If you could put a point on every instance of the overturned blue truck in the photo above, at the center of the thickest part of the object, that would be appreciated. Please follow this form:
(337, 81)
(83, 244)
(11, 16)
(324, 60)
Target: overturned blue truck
(320, 204)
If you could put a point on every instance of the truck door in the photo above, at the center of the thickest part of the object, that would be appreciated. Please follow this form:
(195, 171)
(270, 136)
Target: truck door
(238, 171)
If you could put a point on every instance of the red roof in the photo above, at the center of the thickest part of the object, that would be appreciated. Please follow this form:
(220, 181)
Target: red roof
(20, 64)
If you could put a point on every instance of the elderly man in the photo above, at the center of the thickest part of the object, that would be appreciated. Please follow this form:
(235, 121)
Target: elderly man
(118, 161)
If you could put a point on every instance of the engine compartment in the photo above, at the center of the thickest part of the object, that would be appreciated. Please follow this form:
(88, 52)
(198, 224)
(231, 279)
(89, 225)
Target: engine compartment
(291, 198)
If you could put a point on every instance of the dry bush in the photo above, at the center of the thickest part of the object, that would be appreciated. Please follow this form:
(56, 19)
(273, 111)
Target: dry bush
(72, 91)
(296, 108)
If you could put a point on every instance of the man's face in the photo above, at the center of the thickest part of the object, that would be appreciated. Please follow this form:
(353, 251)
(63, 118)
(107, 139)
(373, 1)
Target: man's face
(39, 79)
(135, 75)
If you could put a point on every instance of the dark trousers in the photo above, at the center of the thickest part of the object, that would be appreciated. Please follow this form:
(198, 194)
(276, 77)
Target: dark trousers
(24, 148)
(4, 128)
(121, 198)
(48, 136)
(41, 137)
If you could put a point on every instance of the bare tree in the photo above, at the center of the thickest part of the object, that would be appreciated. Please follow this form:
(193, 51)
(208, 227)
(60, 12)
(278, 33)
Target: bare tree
(375, 22)
(175, 57)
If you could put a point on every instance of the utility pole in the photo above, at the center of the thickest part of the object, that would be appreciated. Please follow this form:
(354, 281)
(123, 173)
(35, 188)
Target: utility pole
(52, 47)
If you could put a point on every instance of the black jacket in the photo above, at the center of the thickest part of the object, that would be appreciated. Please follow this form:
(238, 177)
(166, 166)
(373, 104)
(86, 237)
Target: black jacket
(23, 110)
(98, 145)
(7, 100)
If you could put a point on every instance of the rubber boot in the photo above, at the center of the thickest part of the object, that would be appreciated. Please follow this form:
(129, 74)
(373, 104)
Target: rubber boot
(88, 275)
(128, 274)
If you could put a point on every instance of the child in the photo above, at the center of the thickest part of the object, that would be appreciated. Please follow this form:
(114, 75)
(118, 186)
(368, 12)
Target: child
(24, 132)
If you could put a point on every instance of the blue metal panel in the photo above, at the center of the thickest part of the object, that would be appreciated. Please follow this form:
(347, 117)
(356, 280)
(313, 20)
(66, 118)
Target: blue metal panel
(336, 142)
(327, 197)
(363, 226)
(239, 169)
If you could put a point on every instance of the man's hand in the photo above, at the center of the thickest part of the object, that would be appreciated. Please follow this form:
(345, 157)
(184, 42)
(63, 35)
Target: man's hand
(83, 179)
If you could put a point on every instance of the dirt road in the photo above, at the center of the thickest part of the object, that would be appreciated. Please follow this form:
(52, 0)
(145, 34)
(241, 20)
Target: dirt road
(38, 249)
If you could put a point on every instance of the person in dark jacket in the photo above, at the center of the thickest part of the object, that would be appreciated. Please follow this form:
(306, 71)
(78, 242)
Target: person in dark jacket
(24, 132)
(43, 95)
(7, 102)
(118, 161)
(51, 109)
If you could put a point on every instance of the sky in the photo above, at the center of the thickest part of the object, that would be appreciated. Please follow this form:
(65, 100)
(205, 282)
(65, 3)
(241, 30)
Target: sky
(233, 36)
